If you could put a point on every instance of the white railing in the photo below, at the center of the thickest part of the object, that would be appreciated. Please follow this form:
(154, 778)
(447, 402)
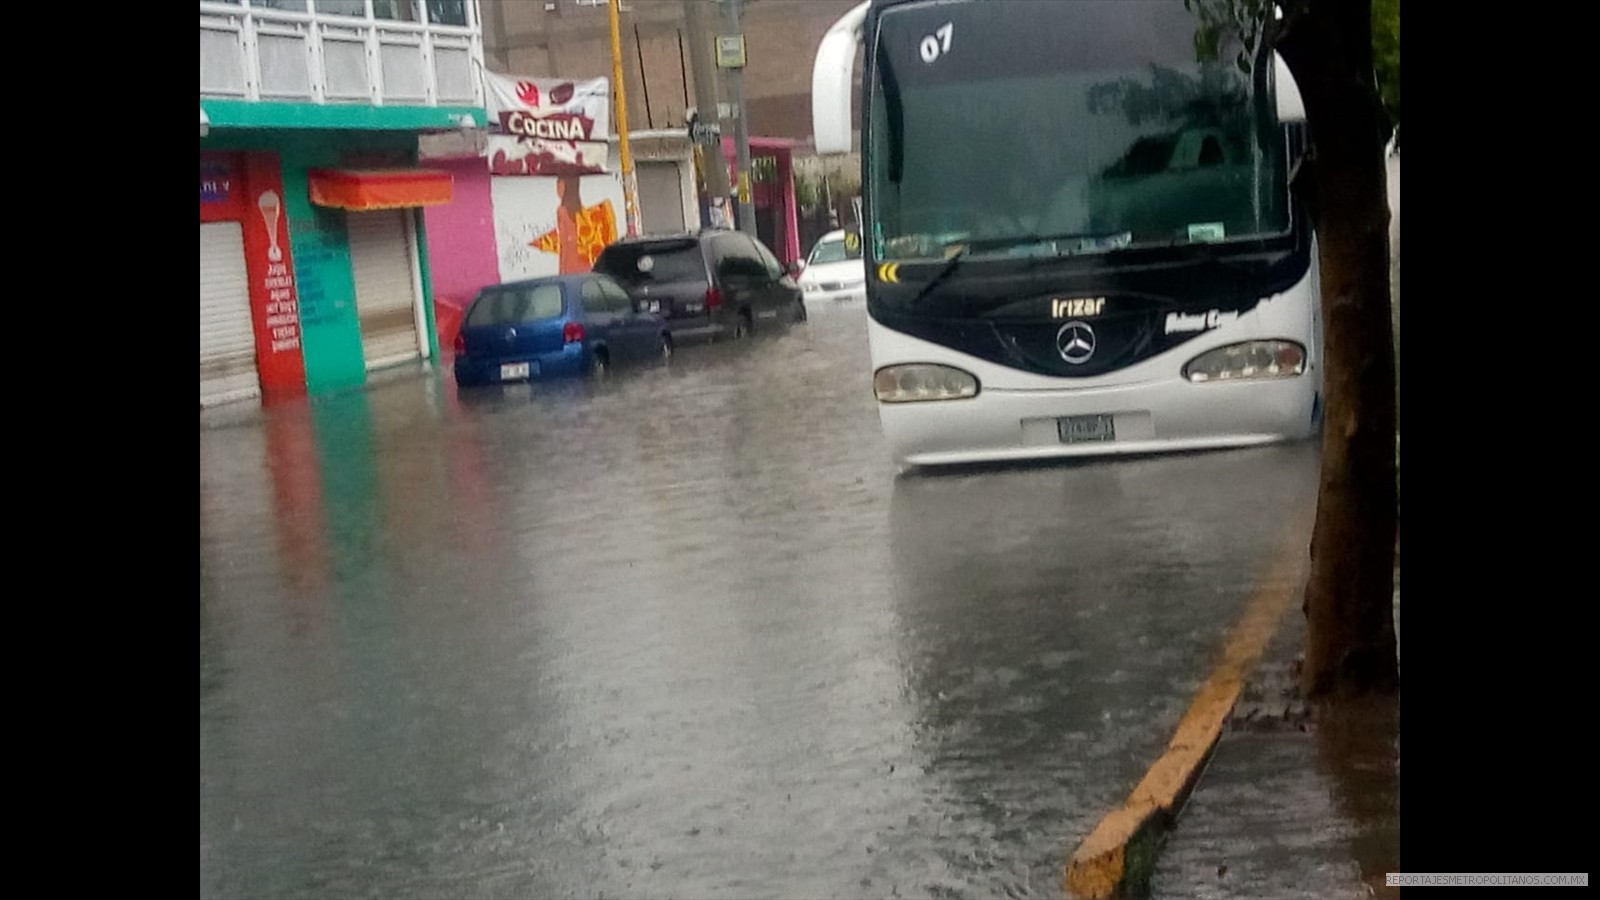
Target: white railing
(262, 53)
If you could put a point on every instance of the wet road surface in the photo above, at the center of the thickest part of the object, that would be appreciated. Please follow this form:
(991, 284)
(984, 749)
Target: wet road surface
(684, 632)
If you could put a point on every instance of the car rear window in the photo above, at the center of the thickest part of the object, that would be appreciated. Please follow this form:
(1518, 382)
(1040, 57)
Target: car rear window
(638, 263)
(514, 305)
(835, 251)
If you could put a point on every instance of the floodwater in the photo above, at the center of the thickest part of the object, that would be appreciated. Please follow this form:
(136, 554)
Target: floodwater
(684, 632)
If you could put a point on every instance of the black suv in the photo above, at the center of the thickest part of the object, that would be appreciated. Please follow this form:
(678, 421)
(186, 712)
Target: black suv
(705, 285)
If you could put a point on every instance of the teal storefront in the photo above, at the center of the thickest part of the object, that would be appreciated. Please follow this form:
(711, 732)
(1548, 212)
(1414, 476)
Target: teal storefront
(353, 197)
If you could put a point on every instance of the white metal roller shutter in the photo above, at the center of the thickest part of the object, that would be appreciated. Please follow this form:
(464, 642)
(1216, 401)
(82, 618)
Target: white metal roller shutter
(227, 339)
(661, 197)
(386, 298)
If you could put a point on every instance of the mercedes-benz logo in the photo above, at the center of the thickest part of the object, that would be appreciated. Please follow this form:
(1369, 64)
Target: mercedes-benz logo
(1075, 342)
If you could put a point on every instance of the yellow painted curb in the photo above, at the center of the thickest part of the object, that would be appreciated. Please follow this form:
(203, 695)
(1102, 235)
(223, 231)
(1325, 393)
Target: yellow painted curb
(1120, 852)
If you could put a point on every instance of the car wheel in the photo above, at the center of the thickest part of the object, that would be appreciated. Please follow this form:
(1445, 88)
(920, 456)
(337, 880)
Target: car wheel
(599, 364)
(743, 327)
(800, 310)
(666, 347)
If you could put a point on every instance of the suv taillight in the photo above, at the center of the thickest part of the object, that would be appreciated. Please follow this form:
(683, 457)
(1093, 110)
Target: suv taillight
(572, 332)
(713, 299)
(461, 344)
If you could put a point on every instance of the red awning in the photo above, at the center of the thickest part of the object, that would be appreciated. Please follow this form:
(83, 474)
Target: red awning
(367, 189)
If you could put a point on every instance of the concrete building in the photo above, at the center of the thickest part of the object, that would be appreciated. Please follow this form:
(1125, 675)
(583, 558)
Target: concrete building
(314, 262)
(572, 39)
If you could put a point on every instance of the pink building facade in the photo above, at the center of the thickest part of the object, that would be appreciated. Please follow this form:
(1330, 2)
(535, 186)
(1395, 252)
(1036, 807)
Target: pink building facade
(461, 244)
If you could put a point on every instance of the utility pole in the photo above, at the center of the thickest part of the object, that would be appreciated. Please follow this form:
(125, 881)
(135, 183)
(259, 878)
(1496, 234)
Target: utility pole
(630, 187)
(731, 56)
(708, 152)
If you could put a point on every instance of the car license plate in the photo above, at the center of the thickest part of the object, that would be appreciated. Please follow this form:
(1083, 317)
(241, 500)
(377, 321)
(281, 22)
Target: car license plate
(1086, 429)
(513, 371)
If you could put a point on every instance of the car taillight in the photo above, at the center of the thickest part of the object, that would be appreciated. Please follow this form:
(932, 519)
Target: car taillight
(572, 332)
(461, 344)
(713, 299)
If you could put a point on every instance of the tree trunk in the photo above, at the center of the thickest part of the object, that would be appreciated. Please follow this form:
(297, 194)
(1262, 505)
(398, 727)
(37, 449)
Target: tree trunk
(1349, 598)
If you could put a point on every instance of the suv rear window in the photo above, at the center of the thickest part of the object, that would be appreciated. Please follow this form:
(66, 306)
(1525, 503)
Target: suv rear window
(513, 305)
(661, 262)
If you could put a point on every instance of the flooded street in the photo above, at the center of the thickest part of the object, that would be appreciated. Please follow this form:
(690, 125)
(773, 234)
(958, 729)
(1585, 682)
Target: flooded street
(684, 632)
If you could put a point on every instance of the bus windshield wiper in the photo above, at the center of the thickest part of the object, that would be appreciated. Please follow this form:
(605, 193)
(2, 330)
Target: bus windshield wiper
(939, 276)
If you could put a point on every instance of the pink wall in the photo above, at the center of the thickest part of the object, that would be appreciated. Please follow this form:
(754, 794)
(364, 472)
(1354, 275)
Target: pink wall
(788, 249)
(461, 247)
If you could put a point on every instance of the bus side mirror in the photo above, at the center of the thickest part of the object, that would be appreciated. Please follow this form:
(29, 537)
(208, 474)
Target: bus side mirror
(831, 87)
(1290, 107)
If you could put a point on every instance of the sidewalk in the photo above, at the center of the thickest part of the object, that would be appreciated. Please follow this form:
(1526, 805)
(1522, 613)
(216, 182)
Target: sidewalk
(1290, 806)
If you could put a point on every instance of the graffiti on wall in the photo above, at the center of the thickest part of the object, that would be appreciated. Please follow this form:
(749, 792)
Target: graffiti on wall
(551, 226)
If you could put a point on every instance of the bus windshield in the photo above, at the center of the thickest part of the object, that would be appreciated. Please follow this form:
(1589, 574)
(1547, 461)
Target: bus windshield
(1063, 128)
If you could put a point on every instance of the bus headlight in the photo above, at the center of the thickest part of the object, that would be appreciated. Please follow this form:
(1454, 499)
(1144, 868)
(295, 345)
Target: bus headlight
(1249, 360)
(916, 382)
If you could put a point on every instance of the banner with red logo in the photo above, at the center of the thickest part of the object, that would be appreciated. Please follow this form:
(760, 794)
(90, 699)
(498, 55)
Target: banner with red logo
(548, 126)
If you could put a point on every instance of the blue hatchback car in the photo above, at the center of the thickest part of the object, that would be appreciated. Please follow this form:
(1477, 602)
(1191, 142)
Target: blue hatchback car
(558, 326)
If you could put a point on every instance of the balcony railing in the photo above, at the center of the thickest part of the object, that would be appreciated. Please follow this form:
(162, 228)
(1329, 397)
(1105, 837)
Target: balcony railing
(260, 50)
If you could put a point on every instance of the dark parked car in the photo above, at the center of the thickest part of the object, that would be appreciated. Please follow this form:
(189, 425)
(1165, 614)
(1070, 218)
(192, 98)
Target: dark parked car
(547, 327)
(710, 284)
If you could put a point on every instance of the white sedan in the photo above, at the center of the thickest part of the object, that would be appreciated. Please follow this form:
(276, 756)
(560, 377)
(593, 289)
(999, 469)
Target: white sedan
(834, 270)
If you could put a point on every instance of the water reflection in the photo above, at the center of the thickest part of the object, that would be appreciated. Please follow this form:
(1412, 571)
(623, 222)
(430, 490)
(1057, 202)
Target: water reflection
(681, 632)
(331, 713)
(1358, 746)
(1056, 620)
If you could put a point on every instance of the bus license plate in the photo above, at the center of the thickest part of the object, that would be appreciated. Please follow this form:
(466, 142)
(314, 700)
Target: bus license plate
(513, 371)
(1086, 429)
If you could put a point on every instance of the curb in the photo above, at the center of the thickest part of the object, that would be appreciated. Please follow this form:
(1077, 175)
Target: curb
(1118, 856)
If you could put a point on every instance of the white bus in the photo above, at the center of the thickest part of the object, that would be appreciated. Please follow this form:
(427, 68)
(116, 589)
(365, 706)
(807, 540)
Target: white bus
(1079, 238)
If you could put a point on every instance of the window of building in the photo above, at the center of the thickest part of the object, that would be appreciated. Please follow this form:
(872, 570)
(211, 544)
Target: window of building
(395, 10)
(356, 8)
(447, 12)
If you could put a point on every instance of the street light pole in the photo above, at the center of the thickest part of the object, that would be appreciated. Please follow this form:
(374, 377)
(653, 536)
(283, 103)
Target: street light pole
(747, 212)
(630, 188)
(708, 152)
